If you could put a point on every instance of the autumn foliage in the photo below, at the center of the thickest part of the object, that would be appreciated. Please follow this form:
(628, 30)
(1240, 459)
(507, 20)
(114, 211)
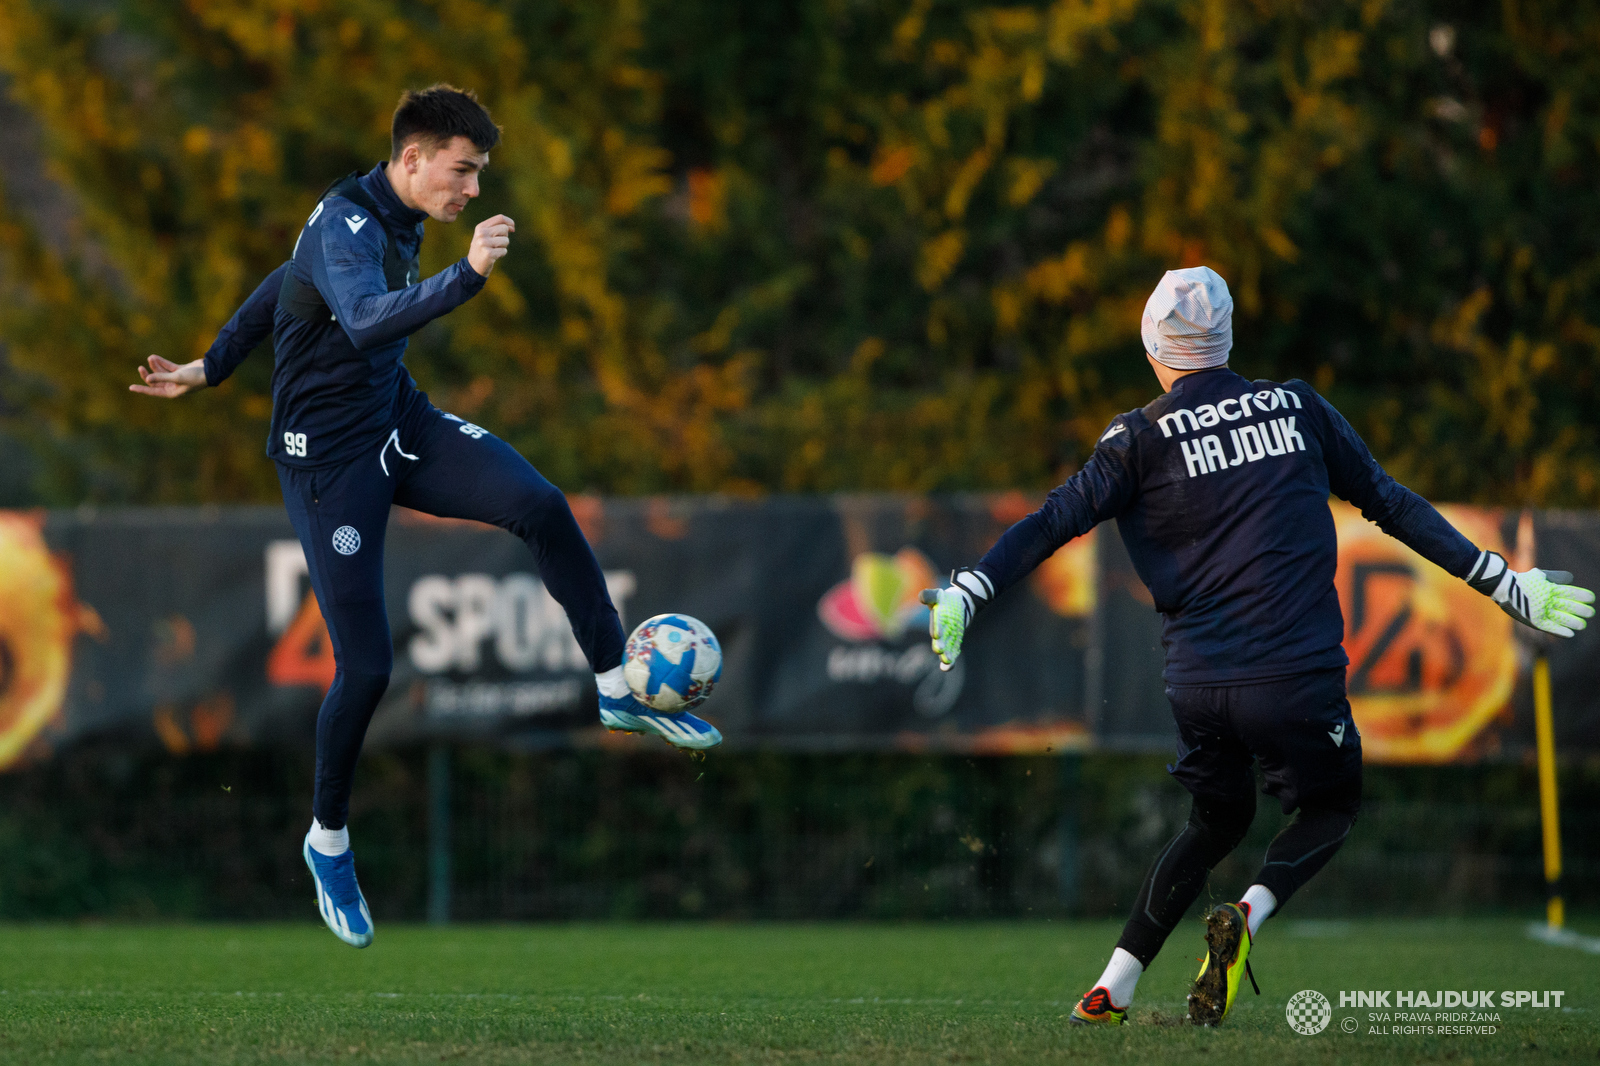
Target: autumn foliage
(812, 245)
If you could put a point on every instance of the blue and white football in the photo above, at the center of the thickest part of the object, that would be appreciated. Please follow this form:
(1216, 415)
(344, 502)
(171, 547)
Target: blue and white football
(672, 662)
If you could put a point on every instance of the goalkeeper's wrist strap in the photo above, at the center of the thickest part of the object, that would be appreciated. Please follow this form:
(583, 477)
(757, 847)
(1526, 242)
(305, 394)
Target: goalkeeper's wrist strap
(1492, 577)
(975, 583)
(1489, 574)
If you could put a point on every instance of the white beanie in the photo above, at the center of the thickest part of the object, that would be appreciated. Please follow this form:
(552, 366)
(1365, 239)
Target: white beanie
(1188, 320)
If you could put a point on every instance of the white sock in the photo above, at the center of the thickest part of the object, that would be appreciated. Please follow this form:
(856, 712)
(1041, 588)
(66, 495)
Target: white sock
(329, 842)
(612, 683)
(1121, 978)
(1262, 903)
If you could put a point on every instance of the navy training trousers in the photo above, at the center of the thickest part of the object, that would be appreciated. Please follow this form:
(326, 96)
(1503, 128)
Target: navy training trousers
(440, 465)
(1299, 730)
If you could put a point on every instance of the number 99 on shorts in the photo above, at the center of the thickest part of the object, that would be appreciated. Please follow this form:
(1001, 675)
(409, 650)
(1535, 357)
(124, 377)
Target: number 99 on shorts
(295, 444)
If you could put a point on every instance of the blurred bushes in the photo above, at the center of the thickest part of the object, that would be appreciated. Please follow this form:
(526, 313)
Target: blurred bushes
(651, 834)
(815, 245)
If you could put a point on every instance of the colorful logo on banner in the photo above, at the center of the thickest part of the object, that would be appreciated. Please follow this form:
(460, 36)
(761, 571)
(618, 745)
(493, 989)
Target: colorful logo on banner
(1431, 661)
(877, 612)
(879, 601)
(39, 618)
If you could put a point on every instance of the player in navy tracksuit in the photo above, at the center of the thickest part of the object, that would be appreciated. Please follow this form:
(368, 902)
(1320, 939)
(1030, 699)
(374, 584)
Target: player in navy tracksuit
(352, 435)
(1220, 491)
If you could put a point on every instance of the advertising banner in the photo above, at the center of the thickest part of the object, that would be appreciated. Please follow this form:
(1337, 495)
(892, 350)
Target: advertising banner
(196, 629)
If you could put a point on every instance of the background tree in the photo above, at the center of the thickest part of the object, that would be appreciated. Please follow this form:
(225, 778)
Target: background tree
(815, 245)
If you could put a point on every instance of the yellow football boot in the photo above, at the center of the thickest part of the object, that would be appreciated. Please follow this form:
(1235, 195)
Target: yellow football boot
(1227, 962)
(1095, 1008)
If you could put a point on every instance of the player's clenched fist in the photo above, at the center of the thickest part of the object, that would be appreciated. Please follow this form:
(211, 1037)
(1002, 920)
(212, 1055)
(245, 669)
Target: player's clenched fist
(490, 241)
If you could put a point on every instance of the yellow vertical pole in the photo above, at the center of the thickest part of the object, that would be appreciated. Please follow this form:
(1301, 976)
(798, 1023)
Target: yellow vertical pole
(1549, 805)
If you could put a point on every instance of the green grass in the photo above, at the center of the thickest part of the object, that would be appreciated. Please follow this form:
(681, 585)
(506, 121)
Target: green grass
(741, 994)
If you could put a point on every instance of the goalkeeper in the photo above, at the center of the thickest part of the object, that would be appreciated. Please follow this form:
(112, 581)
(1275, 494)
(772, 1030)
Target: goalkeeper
(1220, 490)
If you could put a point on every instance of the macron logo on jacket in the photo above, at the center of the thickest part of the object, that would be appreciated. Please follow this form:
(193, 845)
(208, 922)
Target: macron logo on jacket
(1251, 442)
(355, 222)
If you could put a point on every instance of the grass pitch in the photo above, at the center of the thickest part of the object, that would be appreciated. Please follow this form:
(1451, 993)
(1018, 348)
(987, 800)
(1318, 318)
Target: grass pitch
(712, 993)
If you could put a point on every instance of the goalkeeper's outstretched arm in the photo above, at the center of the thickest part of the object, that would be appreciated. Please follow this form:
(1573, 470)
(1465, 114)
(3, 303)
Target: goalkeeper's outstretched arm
(249, 326)
(1545, 600)
(1097, 492)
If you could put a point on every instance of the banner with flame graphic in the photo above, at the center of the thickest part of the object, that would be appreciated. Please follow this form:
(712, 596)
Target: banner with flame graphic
(815, 600)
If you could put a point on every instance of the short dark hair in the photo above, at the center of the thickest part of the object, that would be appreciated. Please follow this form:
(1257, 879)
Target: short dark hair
(438, 114)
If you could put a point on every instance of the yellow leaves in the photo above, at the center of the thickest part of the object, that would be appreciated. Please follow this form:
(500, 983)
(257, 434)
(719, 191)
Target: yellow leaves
(717, 337)
(263, 32)
(1054, 280)
(939, 257)
(1014, 21)
(1071, 22)
(946, 53)
(869, 351)
(629, 76)
(1212, 19)
(1024, 229)
(637, 172)
(1280, 244)
(1333, 57)
(1119, 226)
(96, 125)
(967, 177)
(503, 293)
(1459, 330)
(1032, 77)
(1008, 308)
(909, 28)
(1027, 178)
(558, 157)
(1504, 376)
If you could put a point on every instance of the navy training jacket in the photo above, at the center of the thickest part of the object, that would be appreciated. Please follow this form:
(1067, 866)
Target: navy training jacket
(338, 387)
(1220, 490)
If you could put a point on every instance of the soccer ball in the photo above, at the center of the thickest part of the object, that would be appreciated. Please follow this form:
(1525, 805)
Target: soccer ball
(672, 662)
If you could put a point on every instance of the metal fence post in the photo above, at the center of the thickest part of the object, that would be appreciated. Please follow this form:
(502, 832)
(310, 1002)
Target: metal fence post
(438, 834)
(1068, 863)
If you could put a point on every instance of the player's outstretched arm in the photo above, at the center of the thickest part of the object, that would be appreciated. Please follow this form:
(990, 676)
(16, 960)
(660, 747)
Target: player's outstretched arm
(1544, 600)
(1097, 492)
(169, 380)
(250, 325)
(1547, 600)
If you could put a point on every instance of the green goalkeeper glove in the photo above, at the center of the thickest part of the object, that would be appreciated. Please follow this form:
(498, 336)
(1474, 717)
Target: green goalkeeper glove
(1543, 599)
(951, 609)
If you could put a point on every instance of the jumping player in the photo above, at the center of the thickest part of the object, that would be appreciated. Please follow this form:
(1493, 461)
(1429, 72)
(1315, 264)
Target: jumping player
(352, 435)
(1220, 491)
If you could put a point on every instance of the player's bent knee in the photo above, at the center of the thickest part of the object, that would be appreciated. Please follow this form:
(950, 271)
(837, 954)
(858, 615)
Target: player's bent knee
(539, 507)
(371, 662)
(1223, 821)
(361, 688)
(1343, 799)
